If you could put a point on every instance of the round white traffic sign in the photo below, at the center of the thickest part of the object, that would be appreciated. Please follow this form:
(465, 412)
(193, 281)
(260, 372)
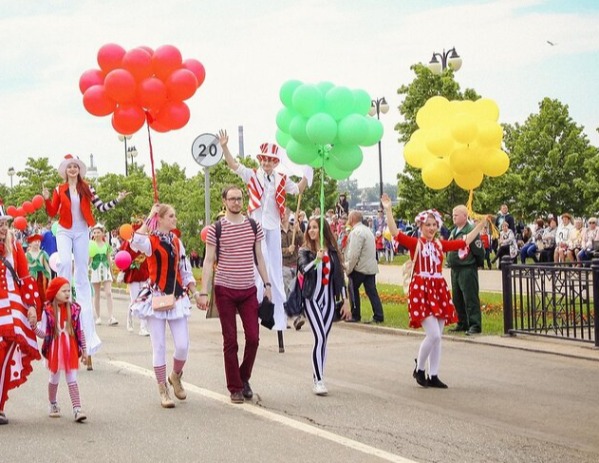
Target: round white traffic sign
(206, 150)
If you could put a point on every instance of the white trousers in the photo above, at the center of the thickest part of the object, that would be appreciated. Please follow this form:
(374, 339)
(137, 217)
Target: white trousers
(74, 247)
(180, 335)
(271, 249)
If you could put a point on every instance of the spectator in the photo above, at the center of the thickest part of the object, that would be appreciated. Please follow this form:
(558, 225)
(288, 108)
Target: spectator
(507, 244)
(549, 235)
(590, 236)
(485, 238)
(562, 238)
(575, 240)
(48, 244)
(532, 246)
(342, 206)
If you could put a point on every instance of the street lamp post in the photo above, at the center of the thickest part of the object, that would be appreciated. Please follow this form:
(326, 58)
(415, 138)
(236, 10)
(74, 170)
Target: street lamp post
(132, 153)
(449, 59)
(11, 173)
(377, 107)
(124, 139)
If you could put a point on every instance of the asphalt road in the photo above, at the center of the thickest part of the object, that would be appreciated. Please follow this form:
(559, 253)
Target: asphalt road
(503, 405)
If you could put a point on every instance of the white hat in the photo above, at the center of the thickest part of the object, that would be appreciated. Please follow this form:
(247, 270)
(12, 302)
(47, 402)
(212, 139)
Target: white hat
(3, 214)
(269, 150)
(70, 159)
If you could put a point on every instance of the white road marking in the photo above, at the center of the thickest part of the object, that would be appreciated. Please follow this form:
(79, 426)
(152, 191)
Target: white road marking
(263, 413)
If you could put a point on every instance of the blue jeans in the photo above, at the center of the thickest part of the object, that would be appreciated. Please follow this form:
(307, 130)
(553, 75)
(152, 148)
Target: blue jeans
(528, 250)
(356, 280)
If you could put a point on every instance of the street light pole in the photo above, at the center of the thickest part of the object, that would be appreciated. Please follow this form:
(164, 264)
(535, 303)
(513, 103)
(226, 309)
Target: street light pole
(132, 152)
(377, 107)
(124, 139)
(11, 173)
(449, 59)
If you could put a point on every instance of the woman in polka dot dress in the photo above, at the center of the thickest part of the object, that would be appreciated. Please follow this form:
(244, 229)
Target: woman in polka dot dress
(429, 299)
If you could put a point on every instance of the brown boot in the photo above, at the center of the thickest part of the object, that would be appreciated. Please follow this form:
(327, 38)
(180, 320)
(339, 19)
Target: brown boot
(165, 398)
(175, 380)
(89, 363)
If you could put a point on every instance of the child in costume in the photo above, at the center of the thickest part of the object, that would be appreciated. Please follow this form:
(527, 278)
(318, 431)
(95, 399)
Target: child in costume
(64, 343)
(39, 266)
(100, 262)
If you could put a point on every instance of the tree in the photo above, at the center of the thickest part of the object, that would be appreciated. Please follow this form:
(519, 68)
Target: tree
(413, 194)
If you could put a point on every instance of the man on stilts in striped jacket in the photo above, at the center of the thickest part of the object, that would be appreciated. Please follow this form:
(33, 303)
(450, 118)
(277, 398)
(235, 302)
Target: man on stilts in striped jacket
(267, 190)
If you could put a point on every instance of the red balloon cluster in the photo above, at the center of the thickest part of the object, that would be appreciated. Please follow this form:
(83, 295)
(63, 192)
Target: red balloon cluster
(141, 83)
(28, 207)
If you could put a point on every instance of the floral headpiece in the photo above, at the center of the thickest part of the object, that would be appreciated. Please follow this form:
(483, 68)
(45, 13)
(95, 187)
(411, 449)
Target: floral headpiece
(421, 218)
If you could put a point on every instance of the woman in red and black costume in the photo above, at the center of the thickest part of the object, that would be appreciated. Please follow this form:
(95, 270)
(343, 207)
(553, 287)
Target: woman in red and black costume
(19, 300)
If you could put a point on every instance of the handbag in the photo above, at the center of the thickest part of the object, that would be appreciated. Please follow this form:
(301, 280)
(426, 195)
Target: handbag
(294, 305)
(165, 302)
(408, 270)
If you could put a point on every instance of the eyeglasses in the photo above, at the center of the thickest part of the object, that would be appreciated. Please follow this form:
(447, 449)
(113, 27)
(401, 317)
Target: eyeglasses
(592, 223)
(237, 200)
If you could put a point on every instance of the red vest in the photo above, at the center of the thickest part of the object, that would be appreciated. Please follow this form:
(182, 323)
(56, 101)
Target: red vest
(61, 205)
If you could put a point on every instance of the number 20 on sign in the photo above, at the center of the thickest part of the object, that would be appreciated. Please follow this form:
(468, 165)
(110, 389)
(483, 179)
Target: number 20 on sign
(206, 150)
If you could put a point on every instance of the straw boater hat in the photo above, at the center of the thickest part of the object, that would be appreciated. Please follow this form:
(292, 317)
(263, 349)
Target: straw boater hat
(70, 159)
(269, 150)
(3, 214)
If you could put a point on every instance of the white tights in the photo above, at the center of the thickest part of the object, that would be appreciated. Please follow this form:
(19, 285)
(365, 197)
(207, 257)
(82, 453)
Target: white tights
(180, 334)
(430, 348)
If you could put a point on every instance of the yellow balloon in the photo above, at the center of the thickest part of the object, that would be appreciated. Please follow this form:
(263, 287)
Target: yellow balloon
(486, 109)
(437, 174)
(495, 162)
(463, 160)
(432, 112)
(387, 234)
(463, 127)
(416, 154)
(439, 141)
(469, 181)
(490, 134)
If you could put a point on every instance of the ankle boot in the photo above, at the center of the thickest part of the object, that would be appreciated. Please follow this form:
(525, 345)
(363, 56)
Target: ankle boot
(434, 381)
(89, 363)
(175, 380)
(165, 398)
(419, 375)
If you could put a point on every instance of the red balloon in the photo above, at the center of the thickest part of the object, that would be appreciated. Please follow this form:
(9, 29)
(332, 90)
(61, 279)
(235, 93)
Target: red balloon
(20, 212)
(151, 93)
(165, 60)
(139, 63)
(20, 223)
(38, 201)
(28, 207)
(181, 85)
(146, 48)
(122, 260)
(12, 211)
(174, 114)
(89, 78)
(204, 233)
(120, 86)
(197, 68)
(158, 127)
(110, 57)
(128, 119)
(97, 102)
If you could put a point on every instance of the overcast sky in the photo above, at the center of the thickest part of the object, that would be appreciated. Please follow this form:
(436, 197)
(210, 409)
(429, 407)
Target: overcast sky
(249, 48)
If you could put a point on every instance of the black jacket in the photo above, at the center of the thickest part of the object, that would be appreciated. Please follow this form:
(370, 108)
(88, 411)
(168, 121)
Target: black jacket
(305, 258)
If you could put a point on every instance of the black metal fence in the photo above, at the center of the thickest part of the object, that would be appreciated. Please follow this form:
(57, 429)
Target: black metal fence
(553, 300)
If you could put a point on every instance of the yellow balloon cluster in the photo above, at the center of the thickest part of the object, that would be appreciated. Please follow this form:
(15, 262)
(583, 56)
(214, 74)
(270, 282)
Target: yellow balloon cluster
(459, 141)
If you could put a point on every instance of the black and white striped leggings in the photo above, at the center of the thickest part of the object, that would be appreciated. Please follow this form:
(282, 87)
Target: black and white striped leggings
(320, 311)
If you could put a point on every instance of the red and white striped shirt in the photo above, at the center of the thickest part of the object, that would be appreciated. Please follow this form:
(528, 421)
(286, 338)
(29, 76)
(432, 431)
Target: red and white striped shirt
(235, 268)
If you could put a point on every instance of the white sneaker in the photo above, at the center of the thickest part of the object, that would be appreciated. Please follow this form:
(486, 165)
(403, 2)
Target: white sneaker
(143, 332)
(79, 415)
(319, 388)
(112, 321)
(54, 410)
(98, 321)
(130, 322)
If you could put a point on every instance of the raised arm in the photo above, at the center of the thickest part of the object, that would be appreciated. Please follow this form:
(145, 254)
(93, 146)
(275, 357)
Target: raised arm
(387, 206)
(223, 139)
(470, 237)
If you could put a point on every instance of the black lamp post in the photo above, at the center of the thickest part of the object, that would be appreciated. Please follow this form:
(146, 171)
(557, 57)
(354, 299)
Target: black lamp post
(11, 173)
(377, 107)
(124, 139)
(449, 58)
(132, 153)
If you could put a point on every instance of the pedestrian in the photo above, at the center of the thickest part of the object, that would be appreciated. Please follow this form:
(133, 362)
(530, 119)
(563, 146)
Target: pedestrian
(48, 244)
(72, 201)
(464, 276)
(39, 266)
(361, 267)
(342, 206)
(170, 277)
(429, 300)
(323, 288)
(267, 190)
(100, 263)
(235, 251)
(291, 240)
(136, 276)
(64, 344)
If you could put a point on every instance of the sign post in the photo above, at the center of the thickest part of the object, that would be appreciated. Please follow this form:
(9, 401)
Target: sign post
(207, 152)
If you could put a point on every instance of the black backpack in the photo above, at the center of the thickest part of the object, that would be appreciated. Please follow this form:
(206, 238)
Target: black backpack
(218, 228)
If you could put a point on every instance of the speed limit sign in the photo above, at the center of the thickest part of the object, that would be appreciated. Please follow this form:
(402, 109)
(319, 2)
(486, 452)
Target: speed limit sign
(206, 150)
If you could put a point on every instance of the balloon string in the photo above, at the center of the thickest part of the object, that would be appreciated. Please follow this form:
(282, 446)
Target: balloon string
(321, 150)
(154, 182)
(476, 215)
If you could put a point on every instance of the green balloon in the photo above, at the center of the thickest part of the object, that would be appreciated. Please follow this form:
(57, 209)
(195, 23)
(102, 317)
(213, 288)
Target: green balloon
(325, 86)
(300, 153)
(347, 158)
(307, 100)
(352, 129)
(282, 138)
(334, 172)
(321, 129)
(317, 162)
(375, 132)
(284, 117)
(286, 92)
(297, 129)
(339, 102)
(362, 102)
(54, 228)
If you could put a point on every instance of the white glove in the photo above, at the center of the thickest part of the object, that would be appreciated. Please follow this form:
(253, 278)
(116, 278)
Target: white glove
(308, 172)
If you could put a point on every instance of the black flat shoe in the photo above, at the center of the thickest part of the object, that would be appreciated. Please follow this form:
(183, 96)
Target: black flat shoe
(420, 376)
(247, 390)
(434, 381)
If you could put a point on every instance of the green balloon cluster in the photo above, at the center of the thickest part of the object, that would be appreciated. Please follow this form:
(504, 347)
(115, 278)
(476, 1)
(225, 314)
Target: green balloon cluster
(322, 125)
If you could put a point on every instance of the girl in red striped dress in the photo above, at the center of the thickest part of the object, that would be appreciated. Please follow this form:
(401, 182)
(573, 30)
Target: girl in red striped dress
(64, 343)
(429, 300)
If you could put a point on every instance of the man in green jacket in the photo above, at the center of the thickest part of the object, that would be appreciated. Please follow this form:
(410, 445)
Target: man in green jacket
(464, 276)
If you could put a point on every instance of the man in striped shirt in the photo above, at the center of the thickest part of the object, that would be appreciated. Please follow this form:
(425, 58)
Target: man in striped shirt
(235, 288)
(267, 190)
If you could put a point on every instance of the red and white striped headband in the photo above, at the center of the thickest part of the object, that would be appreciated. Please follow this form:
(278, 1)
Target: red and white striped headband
(421, 218)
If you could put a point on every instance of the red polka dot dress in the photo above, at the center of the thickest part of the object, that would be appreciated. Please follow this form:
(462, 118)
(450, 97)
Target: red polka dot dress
(428, 291)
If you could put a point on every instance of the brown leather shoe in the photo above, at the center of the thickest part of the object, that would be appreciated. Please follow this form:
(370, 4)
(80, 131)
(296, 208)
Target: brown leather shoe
(237, 397)
(175, 380)
(165, 398)
(247, 390)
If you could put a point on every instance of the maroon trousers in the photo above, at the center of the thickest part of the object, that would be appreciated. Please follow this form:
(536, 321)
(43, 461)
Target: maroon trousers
(229, 302)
